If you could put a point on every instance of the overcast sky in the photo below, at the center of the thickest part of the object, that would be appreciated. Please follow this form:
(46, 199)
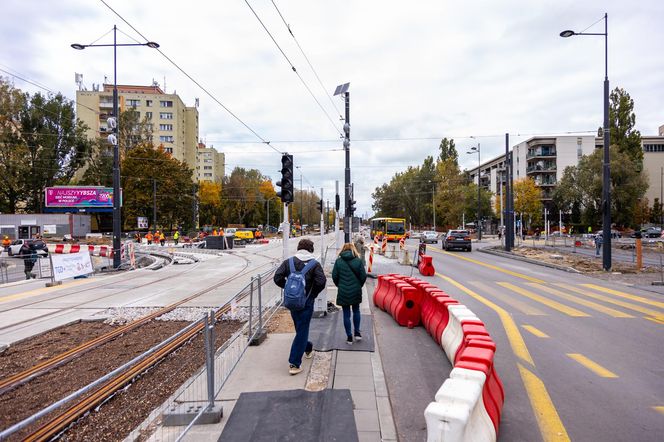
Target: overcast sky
(420, 69)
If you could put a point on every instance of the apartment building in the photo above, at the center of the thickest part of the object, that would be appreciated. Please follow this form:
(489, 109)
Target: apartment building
(174, 125)
(210, 164)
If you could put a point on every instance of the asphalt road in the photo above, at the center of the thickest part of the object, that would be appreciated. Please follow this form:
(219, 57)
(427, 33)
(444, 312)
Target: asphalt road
(580, 359)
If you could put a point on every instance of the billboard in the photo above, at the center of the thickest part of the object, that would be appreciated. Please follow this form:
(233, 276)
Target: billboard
(79, 197)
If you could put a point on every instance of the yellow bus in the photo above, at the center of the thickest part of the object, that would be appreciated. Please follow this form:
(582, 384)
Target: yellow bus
(392, 228)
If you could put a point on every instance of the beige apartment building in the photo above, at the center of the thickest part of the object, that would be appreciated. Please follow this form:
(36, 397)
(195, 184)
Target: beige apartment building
(210, 164)
(174, 125)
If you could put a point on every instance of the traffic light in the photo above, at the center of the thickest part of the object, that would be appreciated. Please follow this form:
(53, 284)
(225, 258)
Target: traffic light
(320, 206)
(286, 182)
(351, 206)
(337, 203)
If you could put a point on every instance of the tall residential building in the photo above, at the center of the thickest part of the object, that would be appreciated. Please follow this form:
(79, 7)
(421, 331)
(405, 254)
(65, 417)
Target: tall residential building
(174, 125)
(661, 130)
(210, 164)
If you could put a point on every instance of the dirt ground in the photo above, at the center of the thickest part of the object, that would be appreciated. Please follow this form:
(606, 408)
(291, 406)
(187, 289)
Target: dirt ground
(281, 322)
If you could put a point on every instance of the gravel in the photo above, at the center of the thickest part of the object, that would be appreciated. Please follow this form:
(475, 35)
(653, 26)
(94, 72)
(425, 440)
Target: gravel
(124, 315)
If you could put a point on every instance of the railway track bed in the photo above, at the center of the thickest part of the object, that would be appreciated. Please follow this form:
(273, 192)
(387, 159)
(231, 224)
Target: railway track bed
(130, 406)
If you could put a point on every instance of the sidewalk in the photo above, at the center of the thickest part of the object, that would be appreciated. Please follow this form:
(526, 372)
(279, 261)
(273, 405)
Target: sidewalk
(265, 368)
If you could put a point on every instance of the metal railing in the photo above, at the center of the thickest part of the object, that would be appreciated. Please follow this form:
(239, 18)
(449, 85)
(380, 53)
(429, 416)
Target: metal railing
(12, 269)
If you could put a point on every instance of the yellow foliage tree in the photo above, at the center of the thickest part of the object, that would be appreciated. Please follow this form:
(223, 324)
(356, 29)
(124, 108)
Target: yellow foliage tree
(527, 199)
(209, 197)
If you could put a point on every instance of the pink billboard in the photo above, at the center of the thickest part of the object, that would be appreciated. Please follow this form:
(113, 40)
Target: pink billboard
(79, 196)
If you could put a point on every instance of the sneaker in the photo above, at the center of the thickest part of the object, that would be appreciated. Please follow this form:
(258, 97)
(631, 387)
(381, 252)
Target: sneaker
(349, 340)
(309, 354)
(358, 336)
(294, 369)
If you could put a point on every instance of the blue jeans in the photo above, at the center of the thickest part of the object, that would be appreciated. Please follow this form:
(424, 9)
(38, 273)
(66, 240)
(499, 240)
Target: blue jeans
(356, 318)
(301, 320)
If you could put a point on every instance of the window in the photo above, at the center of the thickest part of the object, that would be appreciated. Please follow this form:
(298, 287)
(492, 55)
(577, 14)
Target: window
(134, 103)
(653, 147)
(166, 115)
(148, 115)
(579, 148)
(207, 175)
(165, 127)
(166, 138)
(207, 167)
(168, 150)
(207, 161)
(166, 103)
(148, 103)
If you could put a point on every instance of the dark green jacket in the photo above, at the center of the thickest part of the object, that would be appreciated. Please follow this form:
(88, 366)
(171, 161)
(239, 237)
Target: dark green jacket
(349, 276)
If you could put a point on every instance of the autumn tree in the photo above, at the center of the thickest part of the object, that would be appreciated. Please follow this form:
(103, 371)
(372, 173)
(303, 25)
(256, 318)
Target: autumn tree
(527, 199)
(621, 122)
(13, 149)
(448, 151)
(242, 199)
(656, 212)
(209, 203)
(133, 132)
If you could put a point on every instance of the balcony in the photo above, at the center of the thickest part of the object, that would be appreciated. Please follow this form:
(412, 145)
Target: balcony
(541, 152)
(541, 168)
(105, 104)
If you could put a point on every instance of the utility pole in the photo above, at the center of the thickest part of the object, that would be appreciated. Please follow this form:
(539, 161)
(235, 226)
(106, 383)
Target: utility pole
(322, 222)
(433, 206)
(342, 89)
(509, 211)
(337, 206)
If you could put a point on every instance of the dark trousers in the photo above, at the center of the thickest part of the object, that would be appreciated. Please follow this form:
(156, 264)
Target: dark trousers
(356, 318)
(301, 320)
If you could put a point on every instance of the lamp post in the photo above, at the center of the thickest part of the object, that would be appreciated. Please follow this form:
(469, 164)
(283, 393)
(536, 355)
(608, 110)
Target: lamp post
(114, 139)
(433, 203)
(479, 190)
(606, 169)
(301, 201)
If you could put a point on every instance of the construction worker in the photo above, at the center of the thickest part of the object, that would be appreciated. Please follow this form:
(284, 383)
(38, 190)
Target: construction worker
(6, 242)
(149, 237)
(215, 233)
(176, 237)
(162, 239)
(137, 237)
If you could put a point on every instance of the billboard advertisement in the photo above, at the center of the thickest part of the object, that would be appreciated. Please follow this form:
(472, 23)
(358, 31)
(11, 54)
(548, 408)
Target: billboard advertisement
(79, 197)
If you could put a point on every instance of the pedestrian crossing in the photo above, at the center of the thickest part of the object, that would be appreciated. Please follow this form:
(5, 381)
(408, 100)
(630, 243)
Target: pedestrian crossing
(573, 300)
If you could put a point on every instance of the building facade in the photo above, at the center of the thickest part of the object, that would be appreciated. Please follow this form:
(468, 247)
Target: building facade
(174, 125)
(210, 164)
(653, 165)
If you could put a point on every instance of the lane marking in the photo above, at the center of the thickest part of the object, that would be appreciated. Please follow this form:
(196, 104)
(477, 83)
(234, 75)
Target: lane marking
(590, 304)
(510, 300)
(646, 311)
(625, 295)
(655, 320)
(570, 311)
(660, 409)
(548, 420)
(592, 366)
(42, 290)
(492, 267)
(537, 332)
(513, 336)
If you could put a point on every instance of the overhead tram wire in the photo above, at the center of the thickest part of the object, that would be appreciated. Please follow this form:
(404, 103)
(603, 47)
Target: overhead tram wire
(293, 68)
(209, 94)
(290, 31)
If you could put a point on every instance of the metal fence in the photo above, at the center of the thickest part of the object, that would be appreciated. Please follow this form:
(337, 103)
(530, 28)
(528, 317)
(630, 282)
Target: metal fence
(12, 269)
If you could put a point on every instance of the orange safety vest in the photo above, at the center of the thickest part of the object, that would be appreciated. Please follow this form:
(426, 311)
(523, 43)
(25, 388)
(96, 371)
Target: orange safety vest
(6, 242)
(148, 236)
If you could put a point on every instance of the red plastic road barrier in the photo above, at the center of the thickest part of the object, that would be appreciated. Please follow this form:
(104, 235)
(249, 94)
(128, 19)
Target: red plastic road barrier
(384, 283)
(441, 317)
(59, 248)
(405, 308)
(428, 304)
(426, 265)
(75, 248)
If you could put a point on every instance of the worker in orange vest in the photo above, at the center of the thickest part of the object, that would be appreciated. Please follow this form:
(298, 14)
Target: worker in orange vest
(148, 237)
(215, 233)
(6, 242)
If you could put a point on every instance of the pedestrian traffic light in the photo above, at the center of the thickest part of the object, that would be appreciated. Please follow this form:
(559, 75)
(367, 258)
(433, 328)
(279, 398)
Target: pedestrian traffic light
(320, 206)
(351, 206)
(286, 182)
(337, 202)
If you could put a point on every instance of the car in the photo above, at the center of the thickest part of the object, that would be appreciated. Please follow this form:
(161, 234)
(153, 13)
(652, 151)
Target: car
(415, 235)
(457, 239)
(15, 246)
(229, 231)
(429, 236)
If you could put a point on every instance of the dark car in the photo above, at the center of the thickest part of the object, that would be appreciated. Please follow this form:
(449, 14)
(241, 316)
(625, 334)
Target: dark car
(457, 239)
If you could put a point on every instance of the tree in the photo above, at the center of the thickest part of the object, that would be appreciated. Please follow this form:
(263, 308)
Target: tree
(132, 132)
(13, 149)
(175, 190)
(656, 213)
(621, 122)
(99, 167)
(209, 203)
(448, 151)
(242, 200)
(527, 199)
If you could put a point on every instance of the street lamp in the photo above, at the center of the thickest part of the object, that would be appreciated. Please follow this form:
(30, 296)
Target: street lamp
(474, 149)
(114, 140)
(606, 169)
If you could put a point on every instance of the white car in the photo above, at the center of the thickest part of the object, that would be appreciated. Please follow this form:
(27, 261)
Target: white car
(15, 247)
(429, 236)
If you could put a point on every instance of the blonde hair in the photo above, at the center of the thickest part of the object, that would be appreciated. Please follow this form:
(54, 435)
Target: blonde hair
(351, 247)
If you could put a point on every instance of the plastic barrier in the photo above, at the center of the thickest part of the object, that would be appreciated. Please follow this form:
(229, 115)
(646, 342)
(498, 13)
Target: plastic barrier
(405, 308)
(426, 265)
(104, 251)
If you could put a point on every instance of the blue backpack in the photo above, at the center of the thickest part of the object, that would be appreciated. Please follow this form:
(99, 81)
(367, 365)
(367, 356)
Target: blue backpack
(295, 296)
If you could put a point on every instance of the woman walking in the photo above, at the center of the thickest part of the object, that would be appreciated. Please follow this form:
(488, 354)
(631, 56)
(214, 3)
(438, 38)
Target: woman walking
(349, 276)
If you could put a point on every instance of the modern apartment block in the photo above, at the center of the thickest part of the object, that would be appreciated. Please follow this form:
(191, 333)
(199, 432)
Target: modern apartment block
(653, 165)
(174, 125)
(210, 164)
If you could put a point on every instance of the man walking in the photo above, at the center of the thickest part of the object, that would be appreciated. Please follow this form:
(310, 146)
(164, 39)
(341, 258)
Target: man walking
(598, 244)
(314, 283)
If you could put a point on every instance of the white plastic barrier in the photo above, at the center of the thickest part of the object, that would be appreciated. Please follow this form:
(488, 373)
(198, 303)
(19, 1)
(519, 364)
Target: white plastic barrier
(453, 334)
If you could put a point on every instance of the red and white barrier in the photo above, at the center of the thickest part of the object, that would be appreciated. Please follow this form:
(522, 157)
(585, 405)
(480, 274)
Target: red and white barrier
(105, 251)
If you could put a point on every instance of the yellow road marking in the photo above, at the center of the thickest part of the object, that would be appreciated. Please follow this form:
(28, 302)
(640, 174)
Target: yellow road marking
(655, 320)
(549, 422)
(646, 311)
(516, 303)
(513, 336)
(660, 409)
(625, 295)
(537, 332)
(546, 301)
(593, 305)
(41, 290)
(592, 366)
(490, 266)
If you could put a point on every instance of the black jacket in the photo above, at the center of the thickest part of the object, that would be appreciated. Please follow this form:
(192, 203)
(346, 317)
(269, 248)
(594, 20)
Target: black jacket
(315, 278)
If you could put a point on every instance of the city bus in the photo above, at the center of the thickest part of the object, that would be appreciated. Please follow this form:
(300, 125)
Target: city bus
(392, 228)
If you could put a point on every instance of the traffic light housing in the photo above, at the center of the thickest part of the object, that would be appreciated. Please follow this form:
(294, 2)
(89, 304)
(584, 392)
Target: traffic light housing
(320, 206)
(337, 203)
(351, 206)
(286, 181)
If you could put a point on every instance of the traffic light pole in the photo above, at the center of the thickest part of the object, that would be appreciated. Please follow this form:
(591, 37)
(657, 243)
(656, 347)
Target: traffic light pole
(347, 212)
(285, 232)
(322, 224)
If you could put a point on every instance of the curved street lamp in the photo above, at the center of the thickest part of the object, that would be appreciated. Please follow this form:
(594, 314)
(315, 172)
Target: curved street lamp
(117, 227)
(606, 167)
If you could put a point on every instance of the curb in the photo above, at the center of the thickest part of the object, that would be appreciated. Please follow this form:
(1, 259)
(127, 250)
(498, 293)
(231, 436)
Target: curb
(495, 252)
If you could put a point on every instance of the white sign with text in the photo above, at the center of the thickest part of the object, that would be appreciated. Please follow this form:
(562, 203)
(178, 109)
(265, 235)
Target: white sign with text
(70, 265)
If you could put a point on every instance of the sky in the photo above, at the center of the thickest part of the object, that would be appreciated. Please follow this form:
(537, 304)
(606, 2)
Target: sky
(418, 71)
